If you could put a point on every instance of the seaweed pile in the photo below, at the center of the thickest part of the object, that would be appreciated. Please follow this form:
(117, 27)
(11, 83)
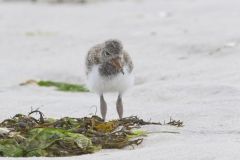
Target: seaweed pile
(26, 136)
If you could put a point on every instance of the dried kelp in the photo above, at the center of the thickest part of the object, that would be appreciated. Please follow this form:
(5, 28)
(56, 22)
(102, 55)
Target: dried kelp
(26, 136)
(176, 123)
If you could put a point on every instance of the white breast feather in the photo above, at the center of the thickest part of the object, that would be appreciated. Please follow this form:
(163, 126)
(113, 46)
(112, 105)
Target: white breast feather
(118, 83)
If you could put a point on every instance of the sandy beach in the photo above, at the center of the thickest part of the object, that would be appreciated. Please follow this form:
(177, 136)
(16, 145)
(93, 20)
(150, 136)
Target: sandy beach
(186, 56)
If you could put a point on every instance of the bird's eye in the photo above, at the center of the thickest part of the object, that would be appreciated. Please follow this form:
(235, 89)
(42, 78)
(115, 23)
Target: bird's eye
(107, 53)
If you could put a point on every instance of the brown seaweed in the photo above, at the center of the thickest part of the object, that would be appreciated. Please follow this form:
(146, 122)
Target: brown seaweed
(68, 136)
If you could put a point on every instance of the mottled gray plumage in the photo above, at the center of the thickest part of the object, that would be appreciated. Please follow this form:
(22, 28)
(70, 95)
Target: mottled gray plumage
(96, 56)
(109, 68)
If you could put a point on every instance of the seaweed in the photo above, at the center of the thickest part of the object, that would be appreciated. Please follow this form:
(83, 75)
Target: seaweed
(26, 136)
(61, 86)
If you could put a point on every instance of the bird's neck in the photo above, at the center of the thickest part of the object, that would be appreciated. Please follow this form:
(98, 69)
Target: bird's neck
(107, 69)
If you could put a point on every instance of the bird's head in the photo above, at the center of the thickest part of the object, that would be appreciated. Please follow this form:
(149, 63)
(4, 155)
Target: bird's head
(113, 53)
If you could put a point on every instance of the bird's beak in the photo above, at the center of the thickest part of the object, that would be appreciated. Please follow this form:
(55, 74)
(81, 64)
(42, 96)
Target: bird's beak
(116, 62)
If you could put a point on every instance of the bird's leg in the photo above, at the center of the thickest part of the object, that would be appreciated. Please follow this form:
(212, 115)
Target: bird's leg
(103, 107)
(119, 106)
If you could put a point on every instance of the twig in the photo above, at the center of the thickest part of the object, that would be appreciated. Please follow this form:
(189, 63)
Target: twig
(41, 119)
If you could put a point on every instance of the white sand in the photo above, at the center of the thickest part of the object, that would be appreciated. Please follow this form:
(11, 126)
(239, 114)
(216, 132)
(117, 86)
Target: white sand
(186, 56)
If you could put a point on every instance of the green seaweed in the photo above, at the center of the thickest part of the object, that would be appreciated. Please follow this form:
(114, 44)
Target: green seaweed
(25, 136)
(137, 133)
(61, 86)
(56, 142)
(40, 33)
(47, 142)
(10, 148)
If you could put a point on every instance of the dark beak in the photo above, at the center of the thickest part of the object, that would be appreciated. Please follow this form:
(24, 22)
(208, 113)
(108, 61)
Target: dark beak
(116, 62)
(122, 71)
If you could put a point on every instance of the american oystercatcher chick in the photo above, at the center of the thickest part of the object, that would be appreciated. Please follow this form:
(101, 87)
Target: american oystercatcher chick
(109, 69)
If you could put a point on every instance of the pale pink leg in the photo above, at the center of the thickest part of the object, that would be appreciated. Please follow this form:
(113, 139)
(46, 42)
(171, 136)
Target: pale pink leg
(119, 106)
(103, 107)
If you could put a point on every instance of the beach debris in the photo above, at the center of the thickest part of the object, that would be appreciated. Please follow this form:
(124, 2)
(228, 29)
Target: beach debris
(61, 86)
(27, 136)
(228, 45)
(176, 123)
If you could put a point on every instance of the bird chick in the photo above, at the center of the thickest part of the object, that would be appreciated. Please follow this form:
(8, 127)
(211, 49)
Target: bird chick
(109, 69)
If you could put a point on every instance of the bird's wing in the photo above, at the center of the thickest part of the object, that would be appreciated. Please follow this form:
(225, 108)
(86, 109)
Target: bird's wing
(93, 57)
(128, 61)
